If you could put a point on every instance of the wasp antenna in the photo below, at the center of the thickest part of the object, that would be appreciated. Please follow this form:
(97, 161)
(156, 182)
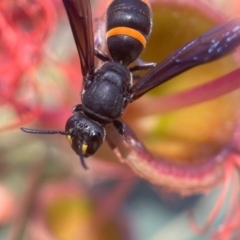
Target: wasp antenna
(38, 131)
(82, 159)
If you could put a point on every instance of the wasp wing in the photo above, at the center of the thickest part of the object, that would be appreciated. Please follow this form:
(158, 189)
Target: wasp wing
(213, 44)
(80, 18)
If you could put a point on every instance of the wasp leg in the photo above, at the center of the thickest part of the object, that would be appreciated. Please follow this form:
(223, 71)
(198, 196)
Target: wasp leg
(145, 66)
(120, 126)
(77, 108)
(102, 56)
(99, 33)
(99, 42)
(136, 77)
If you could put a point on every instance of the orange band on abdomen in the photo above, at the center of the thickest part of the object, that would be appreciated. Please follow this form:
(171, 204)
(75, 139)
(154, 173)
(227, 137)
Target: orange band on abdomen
(129, 32)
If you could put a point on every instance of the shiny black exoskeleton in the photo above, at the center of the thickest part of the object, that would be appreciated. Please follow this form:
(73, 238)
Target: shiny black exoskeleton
(128, 25)
(108, 90)
(105, 97)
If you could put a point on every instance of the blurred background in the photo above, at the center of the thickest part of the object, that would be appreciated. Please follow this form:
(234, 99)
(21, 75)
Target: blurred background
(45, 194)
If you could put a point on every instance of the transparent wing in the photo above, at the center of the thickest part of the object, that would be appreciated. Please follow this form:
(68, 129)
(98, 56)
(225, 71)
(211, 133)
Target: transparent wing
(213, 44)
(80, 18)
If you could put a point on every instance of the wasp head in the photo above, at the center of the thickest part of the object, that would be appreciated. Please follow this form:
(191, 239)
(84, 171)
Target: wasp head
(85, 135)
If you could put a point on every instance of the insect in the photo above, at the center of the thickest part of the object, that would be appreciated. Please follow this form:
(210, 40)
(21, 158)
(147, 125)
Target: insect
(108, 90)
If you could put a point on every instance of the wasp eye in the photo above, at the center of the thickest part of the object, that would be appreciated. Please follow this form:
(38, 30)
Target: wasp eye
(95, 141)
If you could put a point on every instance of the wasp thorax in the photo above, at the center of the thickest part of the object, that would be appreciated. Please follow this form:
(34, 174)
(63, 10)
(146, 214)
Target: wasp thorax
(85, 135)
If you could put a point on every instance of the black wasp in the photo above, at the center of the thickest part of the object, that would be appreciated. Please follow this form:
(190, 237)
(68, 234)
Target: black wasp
(108, 90)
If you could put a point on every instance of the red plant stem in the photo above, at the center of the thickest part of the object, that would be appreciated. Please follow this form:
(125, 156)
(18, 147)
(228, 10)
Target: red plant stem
(202, 93)
(222, 197)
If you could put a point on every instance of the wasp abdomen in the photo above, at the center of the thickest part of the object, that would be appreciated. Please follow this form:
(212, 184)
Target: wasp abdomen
(129, 24)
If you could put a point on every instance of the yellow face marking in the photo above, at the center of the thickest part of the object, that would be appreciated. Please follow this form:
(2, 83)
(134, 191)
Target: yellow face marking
(129, 32)
(69, 138)
(84, 148)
